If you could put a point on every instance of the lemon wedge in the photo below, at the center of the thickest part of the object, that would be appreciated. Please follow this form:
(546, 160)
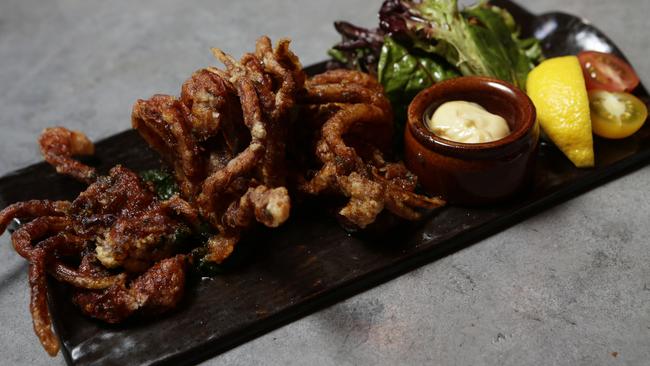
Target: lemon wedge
(557, 88)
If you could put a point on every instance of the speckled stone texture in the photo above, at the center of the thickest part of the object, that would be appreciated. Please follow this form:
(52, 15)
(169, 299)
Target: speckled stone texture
(570, 286)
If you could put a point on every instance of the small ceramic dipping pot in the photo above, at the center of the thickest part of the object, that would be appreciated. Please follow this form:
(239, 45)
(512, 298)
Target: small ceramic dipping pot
(481, 173)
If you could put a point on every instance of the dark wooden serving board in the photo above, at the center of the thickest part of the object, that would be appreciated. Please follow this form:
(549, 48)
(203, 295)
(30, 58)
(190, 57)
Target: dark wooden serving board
(311, 261)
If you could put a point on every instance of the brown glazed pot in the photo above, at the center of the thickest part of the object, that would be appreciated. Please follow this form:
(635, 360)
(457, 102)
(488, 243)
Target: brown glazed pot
(474, 174)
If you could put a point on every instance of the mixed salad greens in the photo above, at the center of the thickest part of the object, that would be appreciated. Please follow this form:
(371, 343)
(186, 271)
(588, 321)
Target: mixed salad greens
(419, 43)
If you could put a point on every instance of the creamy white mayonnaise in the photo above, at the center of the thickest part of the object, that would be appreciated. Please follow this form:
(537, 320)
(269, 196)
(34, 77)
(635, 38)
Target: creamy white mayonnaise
(466, 122)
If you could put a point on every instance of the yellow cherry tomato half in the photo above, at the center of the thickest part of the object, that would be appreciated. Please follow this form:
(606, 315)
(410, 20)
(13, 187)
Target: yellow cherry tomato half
(616, 115)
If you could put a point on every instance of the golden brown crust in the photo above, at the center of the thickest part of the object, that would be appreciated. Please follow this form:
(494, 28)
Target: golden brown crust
(32, 209)
(357, 126)
(116, 223)
(255, 94)
(59, 145)
(163, 125)
(157, 290)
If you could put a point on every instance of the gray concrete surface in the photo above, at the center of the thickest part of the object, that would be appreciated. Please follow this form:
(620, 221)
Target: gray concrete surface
(570, 286)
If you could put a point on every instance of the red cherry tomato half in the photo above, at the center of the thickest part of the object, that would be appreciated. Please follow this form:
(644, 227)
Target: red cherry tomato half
(604, 71)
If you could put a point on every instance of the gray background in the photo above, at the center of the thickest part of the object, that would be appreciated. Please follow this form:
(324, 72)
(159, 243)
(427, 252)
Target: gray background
(570, 286)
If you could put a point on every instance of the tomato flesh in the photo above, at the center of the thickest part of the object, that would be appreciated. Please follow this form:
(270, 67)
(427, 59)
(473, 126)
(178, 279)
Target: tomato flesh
(604, 71)
(616, 115)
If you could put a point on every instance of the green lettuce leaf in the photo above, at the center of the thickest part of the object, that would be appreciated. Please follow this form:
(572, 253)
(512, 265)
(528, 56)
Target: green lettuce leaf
(403, 74)
(479, 40)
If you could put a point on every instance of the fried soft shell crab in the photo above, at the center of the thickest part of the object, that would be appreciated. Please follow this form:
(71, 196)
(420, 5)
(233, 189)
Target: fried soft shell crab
(241, 142)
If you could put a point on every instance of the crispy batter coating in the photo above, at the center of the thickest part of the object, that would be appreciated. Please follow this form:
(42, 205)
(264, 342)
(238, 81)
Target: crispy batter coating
(59, 145)
(357, 127)
(116, 223)
(157, 290)
(213, 107)
(268, 206)
(162, 123)
(133, 230)
(22, 241)
(31, 209)
(239, 119)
